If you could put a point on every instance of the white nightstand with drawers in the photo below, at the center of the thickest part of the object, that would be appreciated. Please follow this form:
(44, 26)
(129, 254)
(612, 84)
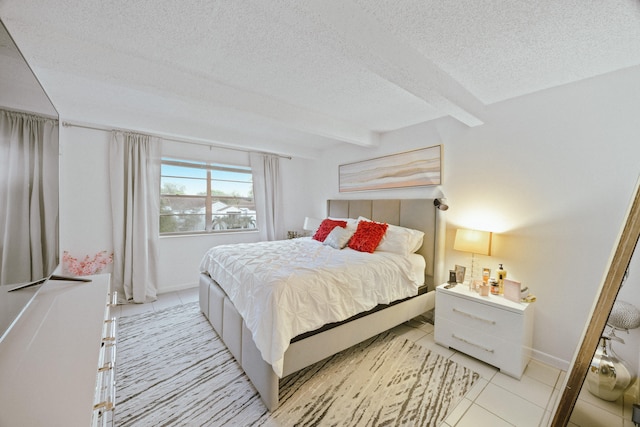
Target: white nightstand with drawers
(490, 328)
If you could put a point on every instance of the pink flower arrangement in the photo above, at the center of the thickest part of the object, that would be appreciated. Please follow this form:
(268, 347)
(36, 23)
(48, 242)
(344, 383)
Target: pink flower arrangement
(88, 266)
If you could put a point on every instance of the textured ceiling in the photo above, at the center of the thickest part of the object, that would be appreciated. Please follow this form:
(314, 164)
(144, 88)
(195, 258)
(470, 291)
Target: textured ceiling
(301, 76)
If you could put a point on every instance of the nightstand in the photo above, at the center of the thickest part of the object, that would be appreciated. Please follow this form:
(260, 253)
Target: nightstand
(490, 328)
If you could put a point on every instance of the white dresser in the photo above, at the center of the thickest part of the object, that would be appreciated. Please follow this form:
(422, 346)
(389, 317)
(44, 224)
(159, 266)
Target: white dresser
(57, 362)
(490, 328)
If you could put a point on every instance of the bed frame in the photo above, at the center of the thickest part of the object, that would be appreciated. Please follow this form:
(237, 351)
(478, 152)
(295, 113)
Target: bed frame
(419, 214)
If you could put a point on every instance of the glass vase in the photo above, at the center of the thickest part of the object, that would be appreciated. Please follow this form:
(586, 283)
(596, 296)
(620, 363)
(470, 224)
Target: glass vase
(608, 376)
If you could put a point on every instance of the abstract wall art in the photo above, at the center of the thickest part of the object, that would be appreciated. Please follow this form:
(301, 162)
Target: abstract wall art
(413, 168)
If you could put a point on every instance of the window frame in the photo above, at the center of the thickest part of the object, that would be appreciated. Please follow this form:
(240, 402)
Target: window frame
(208, 198)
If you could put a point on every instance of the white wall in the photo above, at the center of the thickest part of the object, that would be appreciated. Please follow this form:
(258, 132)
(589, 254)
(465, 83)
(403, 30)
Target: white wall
(551, 173)
(85, 217)
(85, 211)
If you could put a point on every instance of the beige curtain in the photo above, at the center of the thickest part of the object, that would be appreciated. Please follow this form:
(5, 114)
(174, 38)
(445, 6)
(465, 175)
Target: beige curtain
(267, 186)
(135, 206)
(29, 197)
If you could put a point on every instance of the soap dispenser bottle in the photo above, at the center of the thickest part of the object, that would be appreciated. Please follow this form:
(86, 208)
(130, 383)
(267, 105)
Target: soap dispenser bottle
(501, 274)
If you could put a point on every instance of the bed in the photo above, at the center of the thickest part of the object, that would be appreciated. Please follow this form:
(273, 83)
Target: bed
(276, 344)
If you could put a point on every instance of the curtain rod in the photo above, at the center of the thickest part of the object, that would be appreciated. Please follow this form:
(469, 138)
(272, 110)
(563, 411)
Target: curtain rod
(203, 143)
(29, 113)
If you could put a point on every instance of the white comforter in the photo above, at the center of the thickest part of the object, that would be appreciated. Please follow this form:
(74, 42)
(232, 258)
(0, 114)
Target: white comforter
(285, 288)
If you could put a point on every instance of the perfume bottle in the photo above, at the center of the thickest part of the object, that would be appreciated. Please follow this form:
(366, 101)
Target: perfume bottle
(486, 272)
(501, 274)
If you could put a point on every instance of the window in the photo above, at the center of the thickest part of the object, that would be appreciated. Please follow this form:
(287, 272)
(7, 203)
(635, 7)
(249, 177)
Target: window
(198, 197)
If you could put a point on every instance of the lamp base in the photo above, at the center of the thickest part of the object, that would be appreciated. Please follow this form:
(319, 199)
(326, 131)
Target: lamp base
(473, 268)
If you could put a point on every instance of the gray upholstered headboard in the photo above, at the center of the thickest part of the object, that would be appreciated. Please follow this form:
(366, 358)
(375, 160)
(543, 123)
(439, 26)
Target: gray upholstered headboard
(419, 214)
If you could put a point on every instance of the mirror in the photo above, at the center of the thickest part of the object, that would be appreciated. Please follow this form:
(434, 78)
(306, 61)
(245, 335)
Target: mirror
(600, 312)
(22, 96)
(20, 90)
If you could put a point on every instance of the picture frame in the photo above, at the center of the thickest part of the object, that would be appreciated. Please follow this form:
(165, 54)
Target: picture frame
(415, 168)
(512, 290)
(460, 273)
(452, 277)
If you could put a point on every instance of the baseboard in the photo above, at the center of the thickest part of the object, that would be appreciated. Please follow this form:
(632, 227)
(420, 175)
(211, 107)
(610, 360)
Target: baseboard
(175, 288)
(545, 358)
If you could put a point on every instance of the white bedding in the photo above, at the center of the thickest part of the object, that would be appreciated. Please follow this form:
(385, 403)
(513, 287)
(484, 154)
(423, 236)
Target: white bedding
(285, 288)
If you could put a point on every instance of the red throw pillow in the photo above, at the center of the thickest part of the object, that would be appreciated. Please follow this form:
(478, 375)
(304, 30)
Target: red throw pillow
(325, 228)
(368, 236)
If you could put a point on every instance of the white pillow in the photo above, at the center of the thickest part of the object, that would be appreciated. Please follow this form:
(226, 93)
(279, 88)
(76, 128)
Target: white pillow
(338, 237)
(399, 240)
(352, 224)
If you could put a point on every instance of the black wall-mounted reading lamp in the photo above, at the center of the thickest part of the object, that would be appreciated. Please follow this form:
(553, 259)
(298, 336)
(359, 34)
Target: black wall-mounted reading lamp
(438, 203)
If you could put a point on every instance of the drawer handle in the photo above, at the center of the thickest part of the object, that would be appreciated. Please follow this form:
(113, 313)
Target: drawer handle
(112, 299)
(105, 405)
(110, 330)
(106, 367)
(488, 350)
(474, 317)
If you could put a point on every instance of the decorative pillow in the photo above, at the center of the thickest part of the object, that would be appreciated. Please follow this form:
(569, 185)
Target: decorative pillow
(401, 240)
(325, 228)
(338, 237)
(367, 236)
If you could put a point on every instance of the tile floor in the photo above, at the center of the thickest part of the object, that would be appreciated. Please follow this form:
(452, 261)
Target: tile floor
(495, 400)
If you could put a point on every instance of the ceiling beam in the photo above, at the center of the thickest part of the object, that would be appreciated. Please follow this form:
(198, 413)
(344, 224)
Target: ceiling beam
(353, 33)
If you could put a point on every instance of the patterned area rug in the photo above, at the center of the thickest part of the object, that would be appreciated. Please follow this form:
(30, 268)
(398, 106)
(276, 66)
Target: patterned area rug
(173, 370)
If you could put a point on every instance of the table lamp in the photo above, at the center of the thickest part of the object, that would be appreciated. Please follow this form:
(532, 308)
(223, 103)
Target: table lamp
(311, 224)
(474, 241)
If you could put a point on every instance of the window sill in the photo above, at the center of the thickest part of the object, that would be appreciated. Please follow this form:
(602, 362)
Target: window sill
(208, 234)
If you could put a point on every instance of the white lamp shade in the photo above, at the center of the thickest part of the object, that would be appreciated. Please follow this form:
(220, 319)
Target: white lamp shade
(474, 241)
(311, 224)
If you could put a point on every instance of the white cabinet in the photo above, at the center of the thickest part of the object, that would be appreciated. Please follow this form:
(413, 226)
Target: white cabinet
(56, 363)
(490, 328)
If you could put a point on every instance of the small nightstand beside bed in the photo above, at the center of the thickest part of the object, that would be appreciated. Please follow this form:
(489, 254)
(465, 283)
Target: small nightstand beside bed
(281, 306)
